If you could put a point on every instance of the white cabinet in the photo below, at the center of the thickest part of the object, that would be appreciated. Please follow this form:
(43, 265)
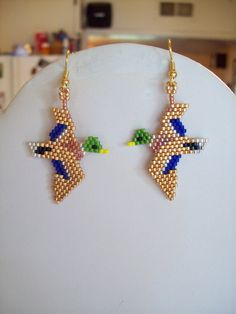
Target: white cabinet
(5, 81)
(22, 68)
(15, 72)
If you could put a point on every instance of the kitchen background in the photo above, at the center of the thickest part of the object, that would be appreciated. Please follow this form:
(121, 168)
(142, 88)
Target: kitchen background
(34, 33)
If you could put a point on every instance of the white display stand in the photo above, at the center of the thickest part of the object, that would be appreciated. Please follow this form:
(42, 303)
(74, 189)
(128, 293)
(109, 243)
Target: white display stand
(116, 244)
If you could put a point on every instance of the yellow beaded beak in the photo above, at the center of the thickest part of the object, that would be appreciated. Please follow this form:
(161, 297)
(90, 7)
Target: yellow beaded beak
(131, 144)
(104, 151)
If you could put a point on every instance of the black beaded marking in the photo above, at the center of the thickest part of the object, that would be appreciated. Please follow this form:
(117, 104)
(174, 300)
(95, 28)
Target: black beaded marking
(42, 149)
(192, 146)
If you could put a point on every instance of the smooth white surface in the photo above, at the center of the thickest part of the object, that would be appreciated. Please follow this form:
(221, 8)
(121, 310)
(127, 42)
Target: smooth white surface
(116, 244)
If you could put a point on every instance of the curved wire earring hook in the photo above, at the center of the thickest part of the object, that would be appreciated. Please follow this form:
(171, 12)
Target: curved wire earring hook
(170, 49)
(172, 70)
(66, 72)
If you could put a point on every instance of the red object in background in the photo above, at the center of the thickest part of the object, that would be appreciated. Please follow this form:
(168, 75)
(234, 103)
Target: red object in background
(40, 40)
(74, 44)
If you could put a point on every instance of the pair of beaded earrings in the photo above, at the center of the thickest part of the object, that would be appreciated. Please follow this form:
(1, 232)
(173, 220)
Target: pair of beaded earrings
(65, 151)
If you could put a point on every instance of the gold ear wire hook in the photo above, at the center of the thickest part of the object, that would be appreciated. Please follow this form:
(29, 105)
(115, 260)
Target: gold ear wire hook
(65, 78)
(64, 91)
(171, 85)
(170, 49)
(172, 70)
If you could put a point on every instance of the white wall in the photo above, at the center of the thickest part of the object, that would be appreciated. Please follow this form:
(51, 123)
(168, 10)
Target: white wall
(212, 18)
(20, 19)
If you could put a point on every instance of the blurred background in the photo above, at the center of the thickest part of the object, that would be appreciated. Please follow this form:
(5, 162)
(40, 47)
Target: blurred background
(34, 33)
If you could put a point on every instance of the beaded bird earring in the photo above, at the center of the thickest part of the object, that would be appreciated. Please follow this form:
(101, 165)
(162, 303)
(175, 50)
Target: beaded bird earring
(63, 148)
(170, 143)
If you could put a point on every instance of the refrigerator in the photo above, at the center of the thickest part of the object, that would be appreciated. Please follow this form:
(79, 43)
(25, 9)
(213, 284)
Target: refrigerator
(16, 71)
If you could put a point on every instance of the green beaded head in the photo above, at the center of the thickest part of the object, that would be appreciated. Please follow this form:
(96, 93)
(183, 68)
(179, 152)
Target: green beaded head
(93, 145)
(140, 137)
